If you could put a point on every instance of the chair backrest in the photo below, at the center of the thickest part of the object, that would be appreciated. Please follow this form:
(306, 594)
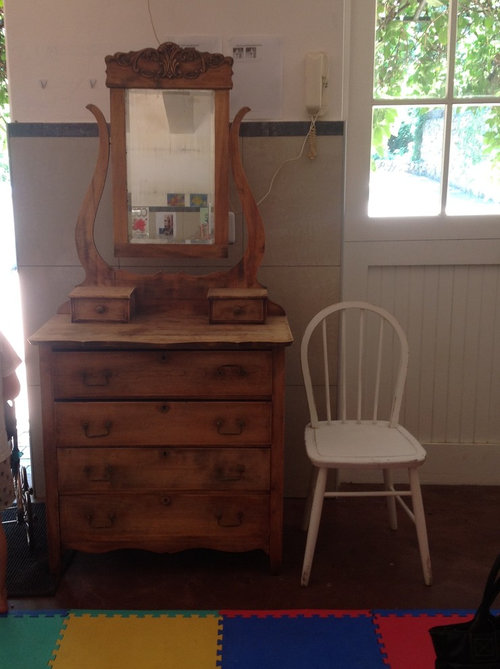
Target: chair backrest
(369, 364)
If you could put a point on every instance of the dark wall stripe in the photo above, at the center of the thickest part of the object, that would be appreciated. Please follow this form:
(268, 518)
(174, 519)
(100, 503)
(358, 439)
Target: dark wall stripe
(52, 130)
(248, 129)
(289, 128)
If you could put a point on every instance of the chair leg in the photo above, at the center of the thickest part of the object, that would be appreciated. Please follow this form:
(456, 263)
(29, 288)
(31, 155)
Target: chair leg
(315, 517)
(391, 501)
(307, 509)
(420, 524)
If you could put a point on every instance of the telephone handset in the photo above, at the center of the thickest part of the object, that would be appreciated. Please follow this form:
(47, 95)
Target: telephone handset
(316, 80)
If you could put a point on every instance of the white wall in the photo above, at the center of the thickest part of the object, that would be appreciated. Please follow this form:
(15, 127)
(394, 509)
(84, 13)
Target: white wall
(64, 43)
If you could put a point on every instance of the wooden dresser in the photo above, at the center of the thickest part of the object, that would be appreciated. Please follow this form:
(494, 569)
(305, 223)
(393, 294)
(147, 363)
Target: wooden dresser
(163, 392)
(163, 435)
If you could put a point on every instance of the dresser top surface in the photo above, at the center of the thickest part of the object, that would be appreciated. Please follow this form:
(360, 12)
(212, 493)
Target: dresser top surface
(155, 330)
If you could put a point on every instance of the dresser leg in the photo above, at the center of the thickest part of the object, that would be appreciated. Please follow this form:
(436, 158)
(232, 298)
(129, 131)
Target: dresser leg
(55, 560)
(275, 557)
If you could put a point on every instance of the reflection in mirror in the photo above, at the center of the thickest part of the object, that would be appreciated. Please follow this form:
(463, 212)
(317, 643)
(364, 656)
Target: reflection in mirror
(170, 144)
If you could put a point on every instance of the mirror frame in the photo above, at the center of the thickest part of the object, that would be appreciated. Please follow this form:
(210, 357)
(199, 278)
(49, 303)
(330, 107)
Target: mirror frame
(169, 67)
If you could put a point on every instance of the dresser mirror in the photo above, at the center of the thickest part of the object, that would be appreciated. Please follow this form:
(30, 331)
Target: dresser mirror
(171, 147)
(169, 143)
(169, 151)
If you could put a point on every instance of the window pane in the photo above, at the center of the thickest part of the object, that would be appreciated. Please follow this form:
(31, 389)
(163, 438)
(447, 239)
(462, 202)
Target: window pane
(406, 155)
(477, 67)
(474, 178)
(411, 49)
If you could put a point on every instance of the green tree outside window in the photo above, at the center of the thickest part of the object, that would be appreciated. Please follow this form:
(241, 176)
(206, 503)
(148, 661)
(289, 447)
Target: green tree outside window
(436, 94)
(4, 100)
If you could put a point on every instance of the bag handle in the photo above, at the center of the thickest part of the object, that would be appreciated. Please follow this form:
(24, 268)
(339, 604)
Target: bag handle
(491, 591)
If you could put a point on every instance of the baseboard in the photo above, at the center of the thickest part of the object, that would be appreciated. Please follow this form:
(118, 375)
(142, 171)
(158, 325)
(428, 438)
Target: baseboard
(462, 464)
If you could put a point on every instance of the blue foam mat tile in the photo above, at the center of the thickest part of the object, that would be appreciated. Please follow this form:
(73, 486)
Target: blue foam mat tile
(426, 612)
(314, 642)
(37, 613)
(385, 613)
(142, 613)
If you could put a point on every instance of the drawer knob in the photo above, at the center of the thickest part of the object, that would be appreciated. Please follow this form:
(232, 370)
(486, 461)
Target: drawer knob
(97, 379)
(237, 429)
(233, 474)
(96, 477)
(100, 308)
(101, 522)
(166, 501)
(229, 520)
(96, 435)
(235, 370)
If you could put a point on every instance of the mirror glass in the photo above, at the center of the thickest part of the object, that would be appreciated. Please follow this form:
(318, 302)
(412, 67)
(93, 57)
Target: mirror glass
(170, 147)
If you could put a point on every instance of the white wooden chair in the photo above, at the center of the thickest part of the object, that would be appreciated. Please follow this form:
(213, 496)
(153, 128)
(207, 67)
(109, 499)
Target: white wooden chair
(359, 438)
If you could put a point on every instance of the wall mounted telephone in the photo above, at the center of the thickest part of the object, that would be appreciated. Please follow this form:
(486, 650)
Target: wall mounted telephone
(316, 80)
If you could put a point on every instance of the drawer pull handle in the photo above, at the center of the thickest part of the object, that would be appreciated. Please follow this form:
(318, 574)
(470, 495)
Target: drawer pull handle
(99, 379)
(238, 429)
(95, 477)
(103, 522)
(100, 308)
(235, 370)
(235, 521)
(236, 474)
(164, 408)
(96, 435)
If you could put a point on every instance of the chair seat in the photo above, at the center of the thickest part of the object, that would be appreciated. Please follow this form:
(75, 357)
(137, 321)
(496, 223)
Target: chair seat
(362, 444)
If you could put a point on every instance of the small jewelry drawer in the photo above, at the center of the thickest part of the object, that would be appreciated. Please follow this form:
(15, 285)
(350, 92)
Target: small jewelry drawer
(232, 305)
(102, 303)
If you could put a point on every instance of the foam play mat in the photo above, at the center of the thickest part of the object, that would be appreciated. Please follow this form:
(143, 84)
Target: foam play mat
(312, 639)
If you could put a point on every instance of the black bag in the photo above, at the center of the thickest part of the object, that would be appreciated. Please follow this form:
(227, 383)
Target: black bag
(476, 642)
(10, 419)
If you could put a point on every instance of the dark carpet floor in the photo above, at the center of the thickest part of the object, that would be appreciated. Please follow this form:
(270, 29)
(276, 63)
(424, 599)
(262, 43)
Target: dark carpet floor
(28, 572)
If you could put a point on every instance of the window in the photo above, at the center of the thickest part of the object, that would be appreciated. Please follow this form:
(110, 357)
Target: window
(435, 109)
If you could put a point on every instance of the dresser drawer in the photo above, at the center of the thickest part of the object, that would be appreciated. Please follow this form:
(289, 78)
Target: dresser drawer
(161, 519)
(102, 303)
(161, 373)
(162, 423)
(237, 305)
(112, 469)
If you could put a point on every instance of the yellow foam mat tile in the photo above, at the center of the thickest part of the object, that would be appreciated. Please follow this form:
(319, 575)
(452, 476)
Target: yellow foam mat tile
(100, 641)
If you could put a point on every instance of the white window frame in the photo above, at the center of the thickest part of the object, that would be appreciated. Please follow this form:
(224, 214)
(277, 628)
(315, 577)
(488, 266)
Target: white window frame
(358, 226)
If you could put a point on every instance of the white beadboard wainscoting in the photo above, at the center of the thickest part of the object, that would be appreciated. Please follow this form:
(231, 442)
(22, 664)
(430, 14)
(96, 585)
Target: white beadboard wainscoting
(451, 314)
